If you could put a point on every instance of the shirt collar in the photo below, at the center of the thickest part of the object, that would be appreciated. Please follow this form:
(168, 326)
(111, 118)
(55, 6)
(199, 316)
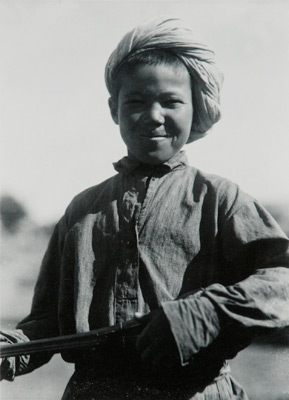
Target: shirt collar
(127, 165)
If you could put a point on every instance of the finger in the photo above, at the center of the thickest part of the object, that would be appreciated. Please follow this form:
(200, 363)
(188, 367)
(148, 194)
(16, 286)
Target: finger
(159, 360)
(149, 354)
(8, 369)
(139, 316)
(159, 353)
(143, 341)
(156, 358)
(143, 318)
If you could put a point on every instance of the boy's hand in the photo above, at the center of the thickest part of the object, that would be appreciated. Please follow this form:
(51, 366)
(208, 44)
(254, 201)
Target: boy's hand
(12, 366)
(8, 369)
(156, 343)
(8, 365)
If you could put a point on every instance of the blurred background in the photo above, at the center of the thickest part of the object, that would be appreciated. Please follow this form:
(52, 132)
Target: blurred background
(57, 138)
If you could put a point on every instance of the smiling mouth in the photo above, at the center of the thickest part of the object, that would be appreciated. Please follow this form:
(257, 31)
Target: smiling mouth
(154, 135)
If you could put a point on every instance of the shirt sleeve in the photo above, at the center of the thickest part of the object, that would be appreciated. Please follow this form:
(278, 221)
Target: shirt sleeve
(42, 322)
(252, 297)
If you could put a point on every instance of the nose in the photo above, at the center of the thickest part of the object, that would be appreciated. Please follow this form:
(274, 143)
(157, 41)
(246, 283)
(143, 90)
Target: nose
(154, 115)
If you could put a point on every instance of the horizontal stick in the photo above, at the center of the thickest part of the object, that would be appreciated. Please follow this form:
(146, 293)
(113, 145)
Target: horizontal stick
(57, 344)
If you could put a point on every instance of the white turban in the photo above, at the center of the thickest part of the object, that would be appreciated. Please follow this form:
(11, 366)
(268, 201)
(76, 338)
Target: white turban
(175, 37)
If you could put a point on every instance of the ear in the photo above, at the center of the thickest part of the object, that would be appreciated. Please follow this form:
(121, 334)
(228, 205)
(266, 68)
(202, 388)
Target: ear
(113, 109)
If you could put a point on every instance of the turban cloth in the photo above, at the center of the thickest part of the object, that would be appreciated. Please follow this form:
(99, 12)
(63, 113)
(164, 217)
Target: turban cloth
(175, 37)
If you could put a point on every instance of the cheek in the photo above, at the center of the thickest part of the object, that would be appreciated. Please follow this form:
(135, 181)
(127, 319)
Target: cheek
(129, 120)
(182, 123)
(187, 120)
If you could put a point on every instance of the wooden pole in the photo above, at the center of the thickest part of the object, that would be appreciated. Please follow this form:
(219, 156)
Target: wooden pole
(57, 344)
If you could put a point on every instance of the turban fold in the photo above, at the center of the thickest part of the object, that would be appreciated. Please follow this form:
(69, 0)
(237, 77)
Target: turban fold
(175, 37)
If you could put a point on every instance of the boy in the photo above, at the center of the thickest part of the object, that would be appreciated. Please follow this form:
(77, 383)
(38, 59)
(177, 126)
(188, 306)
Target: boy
(203, 261)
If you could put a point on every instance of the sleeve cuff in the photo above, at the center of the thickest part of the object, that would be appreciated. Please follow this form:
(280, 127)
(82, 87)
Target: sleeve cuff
(194, 323)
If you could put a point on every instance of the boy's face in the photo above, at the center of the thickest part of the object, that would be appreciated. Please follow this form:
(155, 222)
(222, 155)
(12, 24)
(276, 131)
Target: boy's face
(154, 111)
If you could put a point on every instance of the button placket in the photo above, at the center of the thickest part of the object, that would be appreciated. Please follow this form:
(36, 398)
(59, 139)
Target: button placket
(151, 188)
(127, 274)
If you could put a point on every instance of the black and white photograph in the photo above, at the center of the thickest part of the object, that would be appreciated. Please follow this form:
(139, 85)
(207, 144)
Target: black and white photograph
(144, 205)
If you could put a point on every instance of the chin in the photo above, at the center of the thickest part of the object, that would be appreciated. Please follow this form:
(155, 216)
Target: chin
(153, 159)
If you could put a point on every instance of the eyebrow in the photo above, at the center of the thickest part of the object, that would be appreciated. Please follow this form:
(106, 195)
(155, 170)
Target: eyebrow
(136, 93)
(147, 92)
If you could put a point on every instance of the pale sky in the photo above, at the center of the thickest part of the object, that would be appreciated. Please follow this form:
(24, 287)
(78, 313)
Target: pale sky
(57, 136)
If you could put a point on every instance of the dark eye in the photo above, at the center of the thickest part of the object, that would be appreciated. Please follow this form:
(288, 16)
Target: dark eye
(135, 102)
(172, 102)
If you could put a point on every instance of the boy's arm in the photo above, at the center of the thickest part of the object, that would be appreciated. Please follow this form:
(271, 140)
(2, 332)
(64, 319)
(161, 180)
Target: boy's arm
(217, 322)
(42, 321)
(224, 318)
(232, 314)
